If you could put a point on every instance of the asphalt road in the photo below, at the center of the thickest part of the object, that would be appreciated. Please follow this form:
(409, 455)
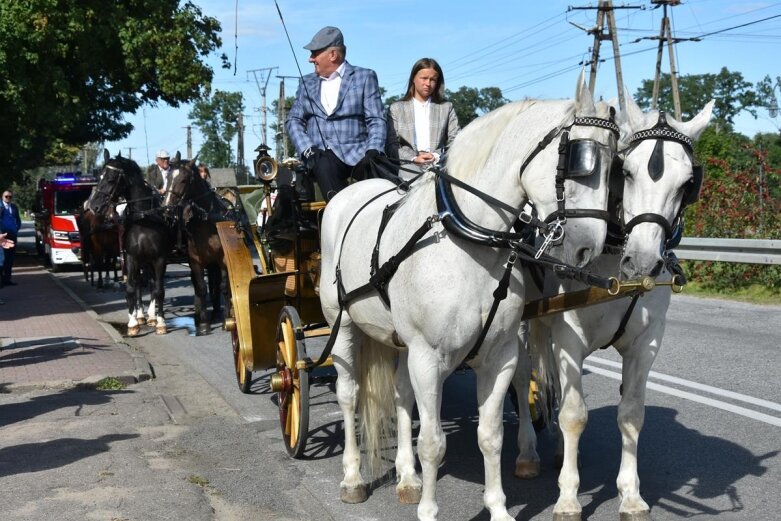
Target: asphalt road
(709, 448)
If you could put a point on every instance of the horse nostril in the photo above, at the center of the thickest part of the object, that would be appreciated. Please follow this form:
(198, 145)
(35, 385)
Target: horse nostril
(583, 257)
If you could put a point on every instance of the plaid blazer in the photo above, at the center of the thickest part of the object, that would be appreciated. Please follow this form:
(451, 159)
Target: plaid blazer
(356, 125)
(443, 127)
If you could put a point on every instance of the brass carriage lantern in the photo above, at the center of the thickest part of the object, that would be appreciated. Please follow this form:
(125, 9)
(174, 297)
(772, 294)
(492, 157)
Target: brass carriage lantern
(266, 167)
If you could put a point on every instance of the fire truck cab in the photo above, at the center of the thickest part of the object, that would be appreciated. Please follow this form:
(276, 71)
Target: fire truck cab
(56, 204)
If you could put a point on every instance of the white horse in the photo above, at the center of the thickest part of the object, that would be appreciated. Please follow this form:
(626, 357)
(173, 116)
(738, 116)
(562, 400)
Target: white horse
(441, 294)
(659, 179)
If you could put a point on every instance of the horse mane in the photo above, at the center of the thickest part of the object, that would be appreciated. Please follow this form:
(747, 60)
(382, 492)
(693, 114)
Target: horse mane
(476, 142)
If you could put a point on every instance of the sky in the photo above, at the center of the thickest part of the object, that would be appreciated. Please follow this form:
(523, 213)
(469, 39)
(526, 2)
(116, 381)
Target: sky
(527, 48)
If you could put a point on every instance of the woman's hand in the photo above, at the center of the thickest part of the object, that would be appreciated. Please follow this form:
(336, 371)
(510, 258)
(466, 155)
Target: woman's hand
(424, 158)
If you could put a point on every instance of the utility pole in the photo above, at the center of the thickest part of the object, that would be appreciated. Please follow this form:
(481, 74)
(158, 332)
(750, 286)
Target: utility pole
(605, 9)
(240, 151)
(265, 75)
(281, 117)
(130, 152)
(189, 142)
(665, 36)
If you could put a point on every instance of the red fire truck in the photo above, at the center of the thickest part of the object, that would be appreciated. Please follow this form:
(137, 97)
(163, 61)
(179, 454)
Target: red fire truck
(56, 205)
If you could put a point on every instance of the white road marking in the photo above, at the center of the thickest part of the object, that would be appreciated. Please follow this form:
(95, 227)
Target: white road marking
(700, 387)
(742, 411)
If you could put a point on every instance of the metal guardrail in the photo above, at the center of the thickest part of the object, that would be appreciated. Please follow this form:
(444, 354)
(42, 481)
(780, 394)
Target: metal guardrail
(750, 251)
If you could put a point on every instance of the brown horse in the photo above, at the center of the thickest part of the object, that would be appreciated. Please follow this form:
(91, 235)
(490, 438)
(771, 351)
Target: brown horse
(99, 245)
(201, 208)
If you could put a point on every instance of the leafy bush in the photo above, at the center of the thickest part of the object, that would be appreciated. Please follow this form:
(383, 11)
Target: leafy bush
(736, 202)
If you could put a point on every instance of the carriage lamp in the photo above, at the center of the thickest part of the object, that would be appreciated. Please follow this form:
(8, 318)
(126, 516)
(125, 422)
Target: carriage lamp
(266, 167)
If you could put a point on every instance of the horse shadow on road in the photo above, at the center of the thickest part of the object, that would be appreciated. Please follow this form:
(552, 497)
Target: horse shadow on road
(681, 469)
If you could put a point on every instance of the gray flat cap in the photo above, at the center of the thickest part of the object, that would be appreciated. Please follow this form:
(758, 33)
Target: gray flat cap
(326, 37)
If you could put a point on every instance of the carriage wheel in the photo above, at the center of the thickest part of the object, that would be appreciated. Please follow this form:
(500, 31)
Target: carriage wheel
(243, 375)
(291, 384)
(537, 405)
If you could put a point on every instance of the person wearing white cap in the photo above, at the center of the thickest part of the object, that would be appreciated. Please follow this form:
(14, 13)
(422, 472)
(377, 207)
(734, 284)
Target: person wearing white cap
(159, 174)
(336, 123)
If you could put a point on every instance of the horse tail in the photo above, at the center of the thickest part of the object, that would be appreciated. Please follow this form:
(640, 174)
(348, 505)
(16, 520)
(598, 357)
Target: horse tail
(545, 370)
(376, 402)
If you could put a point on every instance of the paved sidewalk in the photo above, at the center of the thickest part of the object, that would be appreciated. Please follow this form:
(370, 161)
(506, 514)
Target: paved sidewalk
(50, 339)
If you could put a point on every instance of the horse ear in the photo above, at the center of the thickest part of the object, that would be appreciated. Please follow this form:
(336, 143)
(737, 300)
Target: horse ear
(694, 127)
(584, 102)
(106, 155)
(177, 157)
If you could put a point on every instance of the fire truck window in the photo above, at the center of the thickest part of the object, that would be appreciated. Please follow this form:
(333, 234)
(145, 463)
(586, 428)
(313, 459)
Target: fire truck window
(70, 202)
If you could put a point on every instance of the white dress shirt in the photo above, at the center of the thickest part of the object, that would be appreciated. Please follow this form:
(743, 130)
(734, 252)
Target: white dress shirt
(329, 89)
(422, 125)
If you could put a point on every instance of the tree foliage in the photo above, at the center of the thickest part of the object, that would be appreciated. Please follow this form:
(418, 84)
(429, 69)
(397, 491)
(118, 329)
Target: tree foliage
(71, 69)
(731, 92)
(217, 118)
(470, 102)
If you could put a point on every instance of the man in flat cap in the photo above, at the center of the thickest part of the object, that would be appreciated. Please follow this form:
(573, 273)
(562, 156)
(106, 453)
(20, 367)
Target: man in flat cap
(160, 174)
(336, 123)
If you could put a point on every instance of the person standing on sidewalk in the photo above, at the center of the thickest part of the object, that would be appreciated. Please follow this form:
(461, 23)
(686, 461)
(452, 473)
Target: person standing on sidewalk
(4, 245)
(10, 222)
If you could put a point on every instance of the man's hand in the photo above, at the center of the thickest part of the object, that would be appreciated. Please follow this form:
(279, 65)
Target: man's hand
(311, 156)
(371, 154)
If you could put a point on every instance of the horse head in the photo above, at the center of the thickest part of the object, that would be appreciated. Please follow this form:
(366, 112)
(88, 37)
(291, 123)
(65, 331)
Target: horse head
(184, 185)
(118, 177)
(660, 178)
(575, 204)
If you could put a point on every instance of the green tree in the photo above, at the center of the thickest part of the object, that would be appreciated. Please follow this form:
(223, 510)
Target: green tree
(470, 102)
(731, 92)
(217, 118)
(71, 69)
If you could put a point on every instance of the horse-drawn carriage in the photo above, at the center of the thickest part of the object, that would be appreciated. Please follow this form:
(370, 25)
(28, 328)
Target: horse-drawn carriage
(276, 306)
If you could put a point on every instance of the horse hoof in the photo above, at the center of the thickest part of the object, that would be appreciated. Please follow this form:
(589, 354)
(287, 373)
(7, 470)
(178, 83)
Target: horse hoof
(409, 495)
(161, 330)
(202, 330)
(645, 515)
(133, 331)
(527, 469)
(353, 495)
(573, 516)
(151, 322)
(141, 321)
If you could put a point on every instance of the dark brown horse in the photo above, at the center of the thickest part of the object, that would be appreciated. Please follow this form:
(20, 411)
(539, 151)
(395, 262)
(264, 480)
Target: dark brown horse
(200, 209)
(147, 239)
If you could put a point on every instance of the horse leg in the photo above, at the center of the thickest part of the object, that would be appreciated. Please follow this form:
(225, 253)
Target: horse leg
(527, 464)
(352, 489)
(214, 274)
(493, 379)
(158, 295)
(569, 350)
(427, 379)
(409, 487)
(131, 296)
(202, 325)
(631, 415)
(142, 285)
